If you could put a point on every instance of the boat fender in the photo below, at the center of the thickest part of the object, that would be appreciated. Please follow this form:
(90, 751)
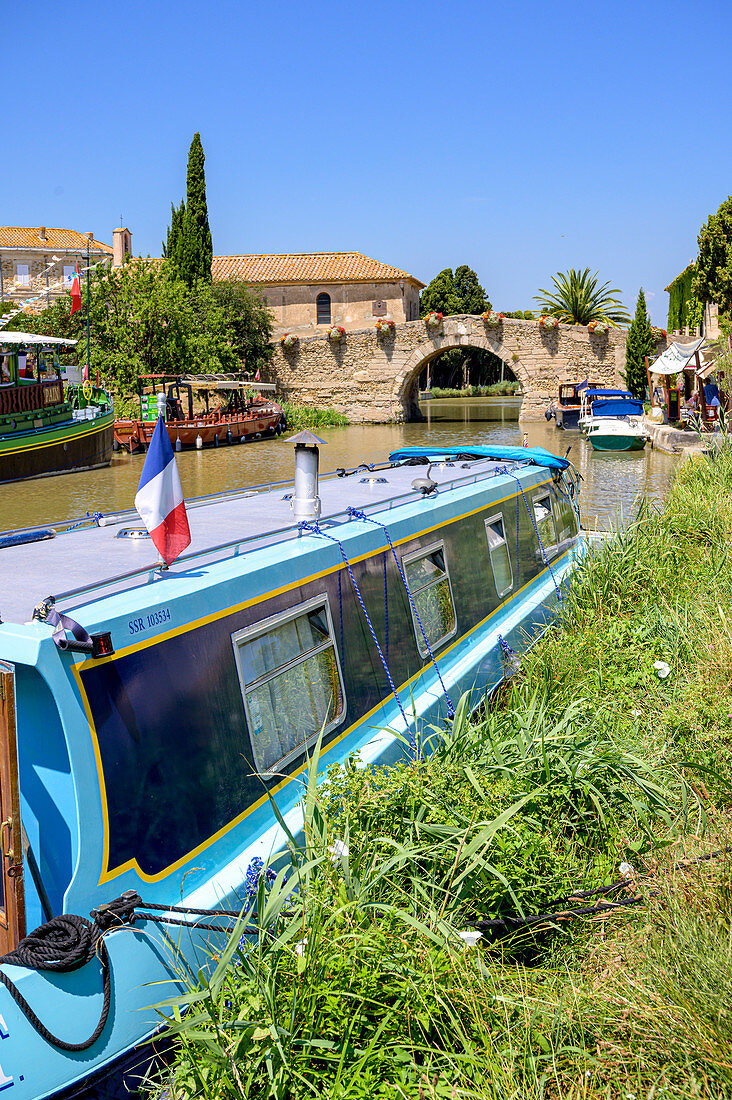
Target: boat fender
(20, 538)
(548, 413)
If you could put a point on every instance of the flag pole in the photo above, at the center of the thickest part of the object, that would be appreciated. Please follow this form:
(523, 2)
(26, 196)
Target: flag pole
(88, 276)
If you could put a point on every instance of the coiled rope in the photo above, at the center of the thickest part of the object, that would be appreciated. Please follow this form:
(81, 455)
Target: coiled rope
(66, 942)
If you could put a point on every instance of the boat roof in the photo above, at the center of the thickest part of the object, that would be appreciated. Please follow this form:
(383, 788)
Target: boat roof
(77, 562)
(32, 338)
(608, 393)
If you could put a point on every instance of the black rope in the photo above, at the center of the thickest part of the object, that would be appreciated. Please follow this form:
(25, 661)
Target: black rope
(66, 942)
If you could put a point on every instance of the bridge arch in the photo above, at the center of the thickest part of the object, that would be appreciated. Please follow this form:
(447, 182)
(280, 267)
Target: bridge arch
(406, 383)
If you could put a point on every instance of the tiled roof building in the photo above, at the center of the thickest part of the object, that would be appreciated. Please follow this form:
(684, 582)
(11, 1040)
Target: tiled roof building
(37, 263)
(306, 289)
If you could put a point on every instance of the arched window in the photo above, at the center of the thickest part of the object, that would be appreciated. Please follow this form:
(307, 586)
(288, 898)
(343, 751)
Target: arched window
(322, 307)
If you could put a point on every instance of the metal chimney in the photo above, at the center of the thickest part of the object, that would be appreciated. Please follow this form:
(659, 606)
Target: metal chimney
(306, 502)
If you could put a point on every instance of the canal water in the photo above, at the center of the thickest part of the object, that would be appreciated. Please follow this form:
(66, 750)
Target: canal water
(612, 483)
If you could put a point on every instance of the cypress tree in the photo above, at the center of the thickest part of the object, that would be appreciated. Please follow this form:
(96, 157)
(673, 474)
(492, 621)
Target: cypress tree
(197, 232)
(639, 345)
(188, 248)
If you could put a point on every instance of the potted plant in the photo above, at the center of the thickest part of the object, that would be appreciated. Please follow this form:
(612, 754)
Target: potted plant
(385, 327)
(289, 341)
(336, 333)
(599, 326)
(492, 318)
(548, 321)
(433, 319)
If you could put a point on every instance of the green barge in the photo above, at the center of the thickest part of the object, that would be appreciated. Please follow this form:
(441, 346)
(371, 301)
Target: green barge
(48, 426)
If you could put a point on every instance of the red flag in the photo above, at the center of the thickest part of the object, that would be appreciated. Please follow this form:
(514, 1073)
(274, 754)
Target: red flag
(75, 294)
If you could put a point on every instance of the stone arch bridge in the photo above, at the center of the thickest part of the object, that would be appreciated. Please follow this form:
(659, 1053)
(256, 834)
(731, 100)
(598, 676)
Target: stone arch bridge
(371, 377)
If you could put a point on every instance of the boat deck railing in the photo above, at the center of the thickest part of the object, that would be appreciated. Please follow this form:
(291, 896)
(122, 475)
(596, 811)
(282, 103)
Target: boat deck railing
(149, 574)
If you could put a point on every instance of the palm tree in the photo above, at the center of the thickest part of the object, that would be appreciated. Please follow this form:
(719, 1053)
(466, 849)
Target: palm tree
(577, 299)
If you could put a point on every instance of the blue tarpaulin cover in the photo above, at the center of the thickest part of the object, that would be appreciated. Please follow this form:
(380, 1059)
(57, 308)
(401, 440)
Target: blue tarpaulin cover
(536, 456)
(617, 408)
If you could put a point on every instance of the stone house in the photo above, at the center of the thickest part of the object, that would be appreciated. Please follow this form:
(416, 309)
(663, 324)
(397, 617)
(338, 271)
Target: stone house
(306, 290)
(37, 263)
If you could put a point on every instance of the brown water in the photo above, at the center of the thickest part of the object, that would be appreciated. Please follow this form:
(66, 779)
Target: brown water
(612, 482)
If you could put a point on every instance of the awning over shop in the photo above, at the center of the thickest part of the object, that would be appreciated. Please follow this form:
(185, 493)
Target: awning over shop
(677, 357)
(28, 338)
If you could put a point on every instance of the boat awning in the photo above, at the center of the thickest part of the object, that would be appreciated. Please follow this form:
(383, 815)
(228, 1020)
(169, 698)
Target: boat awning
(535, 456)
(617, 408)
(32, 338)
(677, 357)
(608, 393)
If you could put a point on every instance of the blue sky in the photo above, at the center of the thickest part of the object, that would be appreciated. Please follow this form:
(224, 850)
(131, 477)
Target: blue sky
(520, 138)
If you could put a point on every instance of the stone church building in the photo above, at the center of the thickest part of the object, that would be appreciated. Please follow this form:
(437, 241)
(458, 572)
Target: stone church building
(305, 290)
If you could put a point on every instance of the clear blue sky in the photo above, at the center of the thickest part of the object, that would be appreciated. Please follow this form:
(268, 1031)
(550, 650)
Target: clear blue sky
(520, 138)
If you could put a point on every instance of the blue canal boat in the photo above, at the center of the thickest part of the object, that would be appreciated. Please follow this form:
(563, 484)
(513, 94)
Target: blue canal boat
(149, 715)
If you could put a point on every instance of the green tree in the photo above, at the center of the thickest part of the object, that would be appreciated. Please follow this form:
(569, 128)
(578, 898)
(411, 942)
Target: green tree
(577, 299)
(712, 280)
(249, 322)
(188, 246)
(458, 293)
(640, 344)
(470, 293)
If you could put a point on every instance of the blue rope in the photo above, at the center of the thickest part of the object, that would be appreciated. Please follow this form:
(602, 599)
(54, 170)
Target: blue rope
(96, 516)
(355, 514)
(315, 529)
(505, 470)
(386, 612)
(509, 658)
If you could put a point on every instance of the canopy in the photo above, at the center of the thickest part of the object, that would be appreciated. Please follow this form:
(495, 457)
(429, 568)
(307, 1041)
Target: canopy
(676, 357)
(535, 456)
(31, 338)
(617, 408)
(608, 393)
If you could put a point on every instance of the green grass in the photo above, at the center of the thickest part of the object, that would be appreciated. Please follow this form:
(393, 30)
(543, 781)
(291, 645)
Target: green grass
(308, 416)
(357, 984)
(497, 389)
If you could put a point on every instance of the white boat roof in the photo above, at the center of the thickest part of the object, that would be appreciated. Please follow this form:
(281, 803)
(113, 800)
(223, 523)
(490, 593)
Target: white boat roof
(90, 556)
(32, 338)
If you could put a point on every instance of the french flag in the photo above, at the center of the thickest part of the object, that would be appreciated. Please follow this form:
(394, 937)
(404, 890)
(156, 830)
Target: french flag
(159, 497)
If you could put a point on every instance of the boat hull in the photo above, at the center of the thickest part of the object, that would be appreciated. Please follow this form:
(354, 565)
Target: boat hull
(617, 442)
(58, 449)
(135, 435)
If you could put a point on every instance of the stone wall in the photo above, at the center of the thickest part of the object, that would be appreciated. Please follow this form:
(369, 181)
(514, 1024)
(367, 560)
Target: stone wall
(374, 378)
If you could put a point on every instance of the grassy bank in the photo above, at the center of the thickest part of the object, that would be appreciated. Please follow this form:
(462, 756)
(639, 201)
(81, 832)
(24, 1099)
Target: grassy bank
(497, 389)
(358, 984)
(307, 416)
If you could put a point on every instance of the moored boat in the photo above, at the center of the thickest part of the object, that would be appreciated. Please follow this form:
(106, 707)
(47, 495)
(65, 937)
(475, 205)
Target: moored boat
(148, 716)
(566, 410)
(46, 426)
(612, 420)
(244, 413)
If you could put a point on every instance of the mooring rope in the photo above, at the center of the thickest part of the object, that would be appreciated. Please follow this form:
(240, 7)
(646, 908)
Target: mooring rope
(356, 514)
(314, 529)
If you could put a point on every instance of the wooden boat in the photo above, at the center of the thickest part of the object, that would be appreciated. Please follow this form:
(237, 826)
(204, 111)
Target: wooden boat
(147, 716)
(46, 426)
(245, 414)
(565, 411)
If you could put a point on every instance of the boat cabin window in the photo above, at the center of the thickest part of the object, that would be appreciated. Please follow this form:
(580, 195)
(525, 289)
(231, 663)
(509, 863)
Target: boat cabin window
(568, 395)
(291, 682)
(545, 525)
(6, 369)
(500, 557)
(429, 583)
